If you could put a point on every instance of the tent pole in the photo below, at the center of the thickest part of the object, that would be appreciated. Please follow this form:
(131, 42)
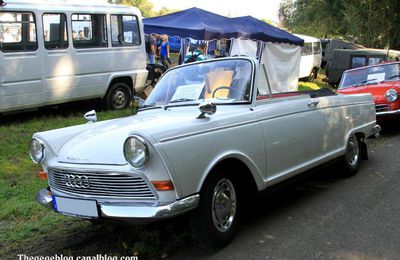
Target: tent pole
(266, 76)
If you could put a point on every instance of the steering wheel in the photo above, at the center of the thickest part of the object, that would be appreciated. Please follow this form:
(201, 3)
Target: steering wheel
(228, 88)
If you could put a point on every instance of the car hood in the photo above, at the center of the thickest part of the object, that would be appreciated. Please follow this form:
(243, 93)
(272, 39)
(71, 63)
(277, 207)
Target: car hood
(377, 91)
(102, 143)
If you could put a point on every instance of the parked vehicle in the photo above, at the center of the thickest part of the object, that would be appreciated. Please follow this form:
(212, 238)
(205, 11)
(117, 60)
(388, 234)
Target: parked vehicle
(329, 45)
(210, 134)
(347, 59)
(381, 80)
(57, 53)
(311, 57)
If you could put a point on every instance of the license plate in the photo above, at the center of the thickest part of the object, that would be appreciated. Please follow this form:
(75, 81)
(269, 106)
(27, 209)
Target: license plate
(76, 207)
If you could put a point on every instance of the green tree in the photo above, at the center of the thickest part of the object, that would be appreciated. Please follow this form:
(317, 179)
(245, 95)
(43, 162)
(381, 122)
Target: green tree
(373, 23)
(164, 10)
(144, 6)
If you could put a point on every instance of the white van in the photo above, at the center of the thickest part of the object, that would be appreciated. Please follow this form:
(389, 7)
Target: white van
(53, 52)
(311, 57)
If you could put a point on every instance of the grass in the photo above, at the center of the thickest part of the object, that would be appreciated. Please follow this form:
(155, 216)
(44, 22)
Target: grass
(22, 221)
(26, 227)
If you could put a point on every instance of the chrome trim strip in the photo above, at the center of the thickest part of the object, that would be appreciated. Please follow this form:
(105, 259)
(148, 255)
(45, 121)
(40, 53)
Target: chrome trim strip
(173, 138)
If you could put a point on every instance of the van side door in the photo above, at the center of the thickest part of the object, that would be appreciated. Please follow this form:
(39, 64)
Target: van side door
(20, 61)
(58, 63)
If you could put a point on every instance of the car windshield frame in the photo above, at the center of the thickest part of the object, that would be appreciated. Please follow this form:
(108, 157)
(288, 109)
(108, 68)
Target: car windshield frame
(371, 75)
(225, 81)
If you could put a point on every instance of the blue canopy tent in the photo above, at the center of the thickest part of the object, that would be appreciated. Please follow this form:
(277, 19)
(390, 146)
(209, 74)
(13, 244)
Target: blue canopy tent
(199, 24)
(277, 50)
(256, 29)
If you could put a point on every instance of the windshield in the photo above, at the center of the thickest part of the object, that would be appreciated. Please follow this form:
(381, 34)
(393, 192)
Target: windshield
(220, 81)
(371, 75)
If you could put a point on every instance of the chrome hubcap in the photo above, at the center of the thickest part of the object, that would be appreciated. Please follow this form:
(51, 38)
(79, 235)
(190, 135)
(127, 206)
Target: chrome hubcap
(224, 205)
(352, 153)
(119, 98)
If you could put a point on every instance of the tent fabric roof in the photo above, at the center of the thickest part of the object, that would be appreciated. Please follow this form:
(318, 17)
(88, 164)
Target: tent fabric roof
(199, 24)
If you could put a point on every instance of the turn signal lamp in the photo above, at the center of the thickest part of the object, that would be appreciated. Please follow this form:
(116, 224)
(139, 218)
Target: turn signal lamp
(163, 185)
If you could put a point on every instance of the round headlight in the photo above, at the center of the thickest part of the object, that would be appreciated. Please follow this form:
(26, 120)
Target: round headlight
(391, 95)
(136, 151)
(36, 150)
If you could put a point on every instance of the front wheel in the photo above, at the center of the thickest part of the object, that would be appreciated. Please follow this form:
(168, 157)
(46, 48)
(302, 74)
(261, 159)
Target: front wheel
(118, 96)
(214, 222)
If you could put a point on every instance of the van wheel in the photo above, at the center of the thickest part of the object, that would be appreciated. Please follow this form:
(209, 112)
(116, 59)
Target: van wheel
(214, 222)
(118, 96)
(350, 162)
(313, 75)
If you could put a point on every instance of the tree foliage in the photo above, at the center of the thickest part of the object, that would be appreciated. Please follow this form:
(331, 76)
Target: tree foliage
(145, 7)
(373, 23)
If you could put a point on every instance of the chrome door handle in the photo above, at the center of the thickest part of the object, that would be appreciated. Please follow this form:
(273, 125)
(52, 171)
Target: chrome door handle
(313, 104)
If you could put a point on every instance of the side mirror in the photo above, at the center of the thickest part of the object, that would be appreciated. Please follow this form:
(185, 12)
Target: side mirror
(207, 108)
(91, 116)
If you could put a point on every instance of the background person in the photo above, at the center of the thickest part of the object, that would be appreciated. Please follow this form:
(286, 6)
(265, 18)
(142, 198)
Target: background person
(164, 51)
(82, 35)
(7, 36)
(152, 48)
(198, 54)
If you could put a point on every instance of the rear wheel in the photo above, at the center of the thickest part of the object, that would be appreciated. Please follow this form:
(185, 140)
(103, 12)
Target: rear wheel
(118, 96)
(350, 162)
(214, 222)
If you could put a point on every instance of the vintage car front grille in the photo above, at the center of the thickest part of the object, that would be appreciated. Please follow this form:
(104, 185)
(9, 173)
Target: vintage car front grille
(382, 108)
(100, 184)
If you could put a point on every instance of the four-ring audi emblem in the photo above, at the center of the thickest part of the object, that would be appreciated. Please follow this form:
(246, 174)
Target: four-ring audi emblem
(76, 181)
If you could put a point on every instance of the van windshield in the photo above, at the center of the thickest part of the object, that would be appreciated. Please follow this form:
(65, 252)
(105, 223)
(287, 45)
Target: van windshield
(219, 81)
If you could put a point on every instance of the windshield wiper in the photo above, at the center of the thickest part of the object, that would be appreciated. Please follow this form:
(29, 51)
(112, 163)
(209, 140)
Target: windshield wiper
(181, 100)
(394, 76)
(150, 106)
(367, 81)
(362, 83)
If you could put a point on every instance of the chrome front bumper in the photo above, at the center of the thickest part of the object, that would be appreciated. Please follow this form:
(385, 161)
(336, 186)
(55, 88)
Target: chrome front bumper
(133, 211)
(391, 112)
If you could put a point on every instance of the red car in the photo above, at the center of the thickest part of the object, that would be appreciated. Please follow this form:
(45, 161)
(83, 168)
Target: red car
(381, 80)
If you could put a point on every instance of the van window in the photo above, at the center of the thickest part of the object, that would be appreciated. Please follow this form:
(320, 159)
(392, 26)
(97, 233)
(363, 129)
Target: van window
(124, 30)
(316, 47)
(55, 31)
(89, 30)
(307, 49)
(374, 60)
(17, 31)
(358, 62)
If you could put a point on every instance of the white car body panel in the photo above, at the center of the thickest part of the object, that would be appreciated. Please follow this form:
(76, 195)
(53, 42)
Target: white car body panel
(276, 138)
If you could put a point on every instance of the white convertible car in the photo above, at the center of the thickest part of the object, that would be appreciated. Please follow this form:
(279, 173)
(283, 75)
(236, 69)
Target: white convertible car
(209, 134)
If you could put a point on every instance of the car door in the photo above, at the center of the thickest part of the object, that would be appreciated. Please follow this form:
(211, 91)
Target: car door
(293, 127)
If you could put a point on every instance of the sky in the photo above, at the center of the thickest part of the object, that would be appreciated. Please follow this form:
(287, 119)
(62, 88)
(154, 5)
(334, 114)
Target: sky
(267, 9)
